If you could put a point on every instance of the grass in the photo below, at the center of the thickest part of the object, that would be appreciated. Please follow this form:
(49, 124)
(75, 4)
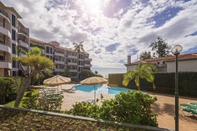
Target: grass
(11, 103)
(21, 120)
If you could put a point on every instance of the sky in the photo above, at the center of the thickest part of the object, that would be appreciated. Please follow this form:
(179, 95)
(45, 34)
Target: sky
(111, 29)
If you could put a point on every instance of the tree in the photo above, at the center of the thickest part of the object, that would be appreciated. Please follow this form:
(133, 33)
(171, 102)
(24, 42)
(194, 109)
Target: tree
(161, 47)
(143, 70)
(66, 73)
(86, 73)
(78, 48)
(96, 72)
(146, 55)
(35, 63)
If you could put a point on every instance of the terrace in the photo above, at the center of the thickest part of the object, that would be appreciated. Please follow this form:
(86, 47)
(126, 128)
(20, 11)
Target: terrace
(164, 107)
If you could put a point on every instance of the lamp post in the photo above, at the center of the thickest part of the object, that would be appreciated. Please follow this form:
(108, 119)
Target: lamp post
(176, 51)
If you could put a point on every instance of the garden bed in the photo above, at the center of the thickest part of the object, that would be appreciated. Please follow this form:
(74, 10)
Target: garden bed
(18, 120)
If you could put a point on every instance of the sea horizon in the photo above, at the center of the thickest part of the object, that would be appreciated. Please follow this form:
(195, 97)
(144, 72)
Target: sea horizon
(106, 71)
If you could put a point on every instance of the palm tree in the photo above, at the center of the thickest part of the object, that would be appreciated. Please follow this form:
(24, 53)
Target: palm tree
(78, 48)
(143, 70)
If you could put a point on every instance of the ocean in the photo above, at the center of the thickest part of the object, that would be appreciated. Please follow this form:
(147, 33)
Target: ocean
(105, 71)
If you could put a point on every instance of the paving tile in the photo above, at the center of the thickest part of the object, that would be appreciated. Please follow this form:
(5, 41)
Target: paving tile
(164, 107)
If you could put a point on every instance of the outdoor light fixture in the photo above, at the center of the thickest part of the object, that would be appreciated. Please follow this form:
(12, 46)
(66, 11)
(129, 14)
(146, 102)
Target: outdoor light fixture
(176, 51)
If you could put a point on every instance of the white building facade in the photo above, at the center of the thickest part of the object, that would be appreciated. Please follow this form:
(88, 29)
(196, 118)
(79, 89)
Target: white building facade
(13, 34)
(186, 62)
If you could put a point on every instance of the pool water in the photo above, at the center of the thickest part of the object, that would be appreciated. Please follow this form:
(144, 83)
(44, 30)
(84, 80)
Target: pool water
(101, 89)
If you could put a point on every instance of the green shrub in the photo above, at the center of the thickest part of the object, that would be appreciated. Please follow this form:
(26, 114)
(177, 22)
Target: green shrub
(42, 103)
(129, 107)
(9, 87)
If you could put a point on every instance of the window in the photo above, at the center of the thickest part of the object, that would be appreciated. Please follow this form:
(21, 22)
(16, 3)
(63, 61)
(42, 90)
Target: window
(47, 50)
(14, 73)
(13, 35)
(50, 50)
(1, 58)
(13, 48)
(14, 64)
(13, 20)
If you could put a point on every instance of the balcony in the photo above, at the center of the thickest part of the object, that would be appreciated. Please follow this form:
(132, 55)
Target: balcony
(23, 32)
(23, 44)
(72, 63)
(6, 65)
(4, 13)
(22, 55)
(73, 70)
(59, 70)
(81, 59)
(88, 59)
(59, 54)
(72, 56)
(5, 31)
(5, 48)
(59, 62)
(87, 65)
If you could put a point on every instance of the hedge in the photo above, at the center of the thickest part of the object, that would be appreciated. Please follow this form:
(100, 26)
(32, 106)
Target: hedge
(164, 82)
(9, 87)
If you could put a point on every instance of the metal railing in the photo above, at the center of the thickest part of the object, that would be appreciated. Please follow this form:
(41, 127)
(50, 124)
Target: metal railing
(22, 31)
(4, 13)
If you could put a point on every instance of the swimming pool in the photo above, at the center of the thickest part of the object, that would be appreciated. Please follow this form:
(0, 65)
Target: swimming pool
(101, 89)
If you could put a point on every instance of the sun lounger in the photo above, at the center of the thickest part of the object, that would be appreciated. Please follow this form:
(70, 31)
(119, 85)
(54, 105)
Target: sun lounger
(185, 105)
(189, 108)
(89, 102)
(193, 103)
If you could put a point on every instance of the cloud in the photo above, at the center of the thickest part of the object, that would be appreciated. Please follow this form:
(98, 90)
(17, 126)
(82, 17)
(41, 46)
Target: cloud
(117, 29)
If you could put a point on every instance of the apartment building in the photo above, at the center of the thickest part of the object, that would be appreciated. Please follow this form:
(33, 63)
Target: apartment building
(13, 34)
(64, 58)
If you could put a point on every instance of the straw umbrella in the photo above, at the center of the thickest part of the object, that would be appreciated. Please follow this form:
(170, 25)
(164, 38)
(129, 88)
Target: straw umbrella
(94, 81)
(57, 80)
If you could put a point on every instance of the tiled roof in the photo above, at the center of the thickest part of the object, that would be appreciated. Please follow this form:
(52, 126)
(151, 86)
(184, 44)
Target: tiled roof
(168, 58)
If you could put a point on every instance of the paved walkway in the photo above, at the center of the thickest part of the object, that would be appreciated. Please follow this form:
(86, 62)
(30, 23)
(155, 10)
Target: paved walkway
(164, 107)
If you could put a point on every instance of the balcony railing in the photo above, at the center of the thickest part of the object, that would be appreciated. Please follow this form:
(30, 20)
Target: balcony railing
(72, 56)
(5, 48)
(24, 32)
(72, 63)
(59, 70)
(4, 13)
(59, 62)
(6, 65)
(58, 54)
(88, 59)
(88, 65)
(24, 44)
(4, 30)
(73, 70)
